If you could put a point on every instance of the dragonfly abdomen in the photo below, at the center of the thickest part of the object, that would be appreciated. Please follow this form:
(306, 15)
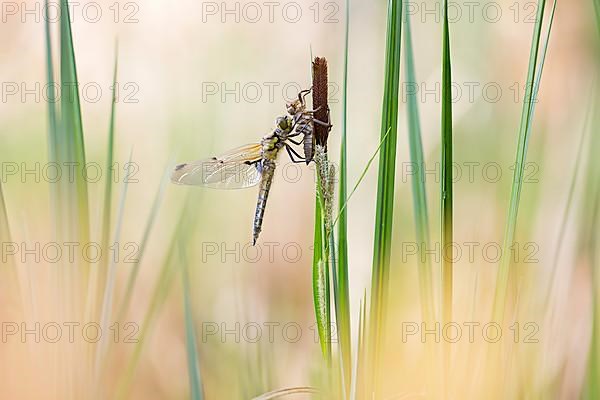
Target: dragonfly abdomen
(268, 172)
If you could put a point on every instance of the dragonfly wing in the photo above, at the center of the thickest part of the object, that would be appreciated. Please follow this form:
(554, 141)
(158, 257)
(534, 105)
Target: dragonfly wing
(236, 169)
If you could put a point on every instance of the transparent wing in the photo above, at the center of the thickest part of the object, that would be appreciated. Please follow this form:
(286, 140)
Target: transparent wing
(236, 169)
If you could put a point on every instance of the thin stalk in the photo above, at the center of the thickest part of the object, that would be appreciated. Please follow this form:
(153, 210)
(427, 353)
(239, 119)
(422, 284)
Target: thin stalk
(342, 290)
(72, 144)
(418, 182)
(446, 191)
(361, 177)
(163, 284)
(52, 123)
(195, 380)
(597, 10)
(73, 197)
(566, 212)
(106, 212)
(108, 290)
(534, 74)
(517, 183)
(143, 244)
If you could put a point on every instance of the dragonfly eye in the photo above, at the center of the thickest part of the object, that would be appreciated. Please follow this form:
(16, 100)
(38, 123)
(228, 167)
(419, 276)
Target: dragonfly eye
(282, 122)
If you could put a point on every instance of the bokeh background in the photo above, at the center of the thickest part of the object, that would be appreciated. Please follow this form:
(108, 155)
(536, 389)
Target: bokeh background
(198, 78)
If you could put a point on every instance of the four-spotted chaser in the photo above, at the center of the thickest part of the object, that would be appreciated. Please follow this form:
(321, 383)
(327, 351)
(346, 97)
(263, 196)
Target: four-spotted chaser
(255, 163)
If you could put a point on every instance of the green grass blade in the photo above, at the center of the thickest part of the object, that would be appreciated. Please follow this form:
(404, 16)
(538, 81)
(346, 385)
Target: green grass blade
(446, 190)
(53, 133)
(540, 70)
(109, 288)
(361, 177)
(185, 223)
(385, 191)
(52, 119)
(196, 392)
(521, 154)
(144, 243)
(418, 181)
(343, 167)
(342, 290)
(567, 211)
(106, 212)
(597, 10)
(71, 145)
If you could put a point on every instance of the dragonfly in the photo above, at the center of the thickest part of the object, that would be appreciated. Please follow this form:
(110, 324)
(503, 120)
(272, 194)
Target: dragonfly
(245, 166)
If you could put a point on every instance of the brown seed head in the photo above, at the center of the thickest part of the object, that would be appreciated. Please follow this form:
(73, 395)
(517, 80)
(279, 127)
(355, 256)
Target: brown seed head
(319, 94)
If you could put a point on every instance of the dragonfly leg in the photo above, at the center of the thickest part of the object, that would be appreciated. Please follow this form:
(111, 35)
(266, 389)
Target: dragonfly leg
(317, 109)
(294, 134)
(302, 95)
(313, 111)
(292, 153)
(327, 124)
(295, 142)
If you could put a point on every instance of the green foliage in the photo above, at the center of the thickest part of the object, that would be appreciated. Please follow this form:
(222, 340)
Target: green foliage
(70, 144)
(385, 191)
(106, 213)
(418, 181)
(533, 80)
(446, 190)
(342, 292)
(195, 381)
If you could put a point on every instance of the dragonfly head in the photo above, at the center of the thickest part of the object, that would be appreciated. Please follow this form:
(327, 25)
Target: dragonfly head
(294, 107)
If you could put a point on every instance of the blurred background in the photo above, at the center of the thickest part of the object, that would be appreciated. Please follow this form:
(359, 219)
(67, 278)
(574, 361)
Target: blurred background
(198, 78)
